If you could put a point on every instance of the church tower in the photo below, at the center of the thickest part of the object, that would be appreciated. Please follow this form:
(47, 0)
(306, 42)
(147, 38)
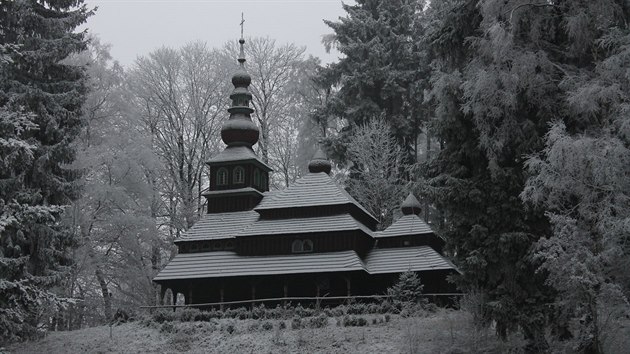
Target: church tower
(238, 178)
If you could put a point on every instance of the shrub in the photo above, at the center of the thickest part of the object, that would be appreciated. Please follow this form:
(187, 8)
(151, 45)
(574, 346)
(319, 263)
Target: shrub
(267, 326)
(206, 316)
(259, 312)
(188, 314)
(318, 322)
(121, 316)
(241, 313)
(275, 313)
(161, 316)
(254, 326)
(387, 307)
(303, 312)
(296, 323)
(229, 328)
(282, 325)
(373, 308)
(354, 321)
(337, 311)
(387, 317)
(167, 327)
(357, 309)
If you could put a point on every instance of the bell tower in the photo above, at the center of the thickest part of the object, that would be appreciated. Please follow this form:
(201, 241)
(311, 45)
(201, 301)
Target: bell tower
(238, 178)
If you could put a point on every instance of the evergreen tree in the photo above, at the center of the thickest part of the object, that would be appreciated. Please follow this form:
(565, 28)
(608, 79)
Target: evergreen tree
(382, 71)
(407, 290)
(475, 183)
(581, 180)
(503, 72)
(40, 102)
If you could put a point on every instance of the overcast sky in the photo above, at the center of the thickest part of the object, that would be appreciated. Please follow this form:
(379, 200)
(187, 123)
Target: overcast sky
(136, 27)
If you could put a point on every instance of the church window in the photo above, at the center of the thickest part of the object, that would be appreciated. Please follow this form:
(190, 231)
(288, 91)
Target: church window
(222, 176)
(205, 246)
(256, 178)
(297, 246)
(239, 175)
(217, 246)
(301, 246)
(307, 246)
(229, 245)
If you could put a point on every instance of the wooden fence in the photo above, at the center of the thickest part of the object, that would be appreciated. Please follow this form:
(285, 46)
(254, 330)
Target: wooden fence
(296, 299)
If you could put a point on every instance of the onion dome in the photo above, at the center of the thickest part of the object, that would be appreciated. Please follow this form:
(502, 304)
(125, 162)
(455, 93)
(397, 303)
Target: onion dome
(411, 205)
(241, 78)
(239, 130)
(319, 163)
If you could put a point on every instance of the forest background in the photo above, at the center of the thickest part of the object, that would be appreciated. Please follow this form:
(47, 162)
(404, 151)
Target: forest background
(510, 118)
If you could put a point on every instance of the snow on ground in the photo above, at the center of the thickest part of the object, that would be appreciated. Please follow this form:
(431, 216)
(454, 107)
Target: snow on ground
(441, 332)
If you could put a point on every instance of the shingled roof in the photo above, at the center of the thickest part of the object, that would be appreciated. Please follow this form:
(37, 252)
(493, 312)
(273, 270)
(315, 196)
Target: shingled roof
(398, 260)
(314, 189)
(237, 154)
(219, 226)
(405, 225)
(340, 222)
(229, 264)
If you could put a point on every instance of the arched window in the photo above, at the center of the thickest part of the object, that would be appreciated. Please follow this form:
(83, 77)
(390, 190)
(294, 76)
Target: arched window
(297, 246)
(217, 246)
(301, 246)
(239, 175)
(229, 245)
(222, 176)
(256, 178)
(307, 246)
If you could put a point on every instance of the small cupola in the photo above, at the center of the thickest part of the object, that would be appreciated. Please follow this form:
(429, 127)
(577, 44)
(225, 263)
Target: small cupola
(411, 205)
(319, 163)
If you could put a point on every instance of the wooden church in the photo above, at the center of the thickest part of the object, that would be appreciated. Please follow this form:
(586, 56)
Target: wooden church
(310, 239)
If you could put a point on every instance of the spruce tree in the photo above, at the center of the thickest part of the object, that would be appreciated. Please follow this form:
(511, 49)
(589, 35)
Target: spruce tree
(505, 71)
(40, 104)
(407, 290)
(581, 180)
(478, 175)
(382, 71)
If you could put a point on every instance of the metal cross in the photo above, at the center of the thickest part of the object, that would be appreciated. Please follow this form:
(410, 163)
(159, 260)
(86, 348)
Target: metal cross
(242, 22)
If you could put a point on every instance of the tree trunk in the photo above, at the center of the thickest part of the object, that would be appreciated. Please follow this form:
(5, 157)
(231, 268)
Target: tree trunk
(264, 139)
(536, 340)
(105, 292)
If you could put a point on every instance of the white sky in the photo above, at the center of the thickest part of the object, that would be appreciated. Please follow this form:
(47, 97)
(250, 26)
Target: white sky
(136, 27)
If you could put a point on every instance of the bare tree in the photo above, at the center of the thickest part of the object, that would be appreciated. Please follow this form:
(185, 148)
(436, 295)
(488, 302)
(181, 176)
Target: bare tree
(181, 95)
(284, 152)
(114, 217)
(274, 70)
(377, 178)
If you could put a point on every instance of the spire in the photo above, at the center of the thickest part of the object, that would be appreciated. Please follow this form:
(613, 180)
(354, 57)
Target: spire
(239, 130)
(411, 205)
(319, 163)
